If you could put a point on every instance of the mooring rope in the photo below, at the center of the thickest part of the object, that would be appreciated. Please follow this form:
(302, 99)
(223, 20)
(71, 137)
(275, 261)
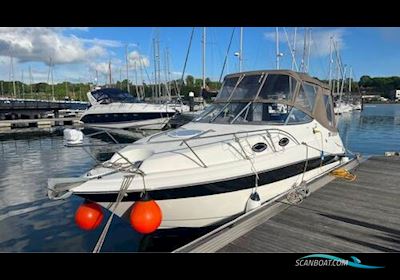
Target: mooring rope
(126, 182)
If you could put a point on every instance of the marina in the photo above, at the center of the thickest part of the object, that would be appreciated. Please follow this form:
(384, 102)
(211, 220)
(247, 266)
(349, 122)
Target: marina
(247, 158)
(30, 222)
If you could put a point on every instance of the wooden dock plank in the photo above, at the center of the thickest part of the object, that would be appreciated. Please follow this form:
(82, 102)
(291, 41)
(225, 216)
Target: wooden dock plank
(343, 216)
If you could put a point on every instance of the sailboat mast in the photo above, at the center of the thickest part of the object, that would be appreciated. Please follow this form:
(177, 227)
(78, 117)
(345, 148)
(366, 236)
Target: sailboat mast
(158, 65)
(12, 76)
(22, 84)
(155, 69)
(294, 48)
(309, 50)
(167, 74)
(142, 79)
(120, 78)
(343, 81)
(30, 79)
(350, 77)
(136, 80)
(304, 50)
(204, 57)
(241, 50)
(330, 63)
(277, 47)
(127, 68)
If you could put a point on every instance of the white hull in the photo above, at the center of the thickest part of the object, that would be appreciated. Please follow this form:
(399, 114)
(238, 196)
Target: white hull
(153, 124)
(178, 170)
(209, 210)
(128, 115)
(343, 108)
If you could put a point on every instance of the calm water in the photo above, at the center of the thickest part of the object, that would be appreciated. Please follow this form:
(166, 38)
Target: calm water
(31, 222)
(373, 131)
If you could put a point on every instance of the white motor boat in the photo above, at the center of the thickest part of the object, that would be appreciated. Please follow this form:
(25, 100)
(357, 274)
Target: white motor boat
(205, 172)
(357, 106)
(342, 107)
(113, 108)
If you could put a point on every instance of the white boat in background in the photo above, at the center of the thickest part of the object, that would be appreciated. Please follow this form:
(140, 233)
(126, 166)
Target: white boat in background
(356, 106)
(342, 107)
(267, 133)
(114, 108)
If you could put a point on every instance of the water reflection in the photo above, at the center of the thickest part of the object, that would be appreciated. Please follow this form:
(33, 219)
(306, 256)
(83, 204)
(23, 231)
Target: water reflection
(373, 131)
(31, 222)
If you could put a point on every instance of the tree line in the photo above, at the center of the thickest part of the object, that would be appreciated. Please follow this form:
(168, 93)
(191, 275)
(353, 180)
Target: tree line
(77, 91)
(385, 86)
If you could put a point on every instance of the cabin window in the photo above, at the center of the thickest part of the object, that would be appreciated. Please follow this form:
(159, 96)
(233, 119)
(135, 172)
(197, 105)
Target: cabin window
(229, 112)
(247, 88)
(311, 94)
(328, 107)
(210, 112)
(227, 88)
(260, 113)
(303, 100)
(278, 87)
(297, 116)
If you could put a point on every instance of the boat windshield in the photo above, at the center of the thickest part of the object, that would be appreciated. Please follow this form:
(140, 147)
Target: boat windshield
(272, 87)
(259, 99)
(110, 95)
(252, 113)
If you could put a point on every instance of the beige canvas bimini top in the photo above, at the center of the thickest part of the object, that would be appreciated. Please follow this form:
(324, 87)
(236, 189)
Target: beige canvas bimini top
(281, 86)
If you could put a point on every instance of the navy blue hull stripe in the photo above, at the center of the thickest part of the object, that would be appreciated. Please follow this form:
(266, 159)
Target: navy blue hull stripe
(241, 183)
(123, 117)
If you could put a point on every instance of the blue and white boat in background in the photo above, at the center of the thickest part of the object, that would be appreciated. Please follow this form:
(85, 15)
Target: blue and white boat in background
(114, 108)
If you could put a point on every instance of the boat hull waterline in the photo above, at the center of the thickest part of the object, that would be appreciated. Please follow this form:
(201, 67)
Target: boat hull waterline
(211, 209)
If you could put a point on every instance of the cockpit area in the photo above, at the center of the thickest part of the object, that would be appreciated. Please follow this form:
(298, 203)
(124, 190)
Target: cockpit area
(112, 95)
(271, 97)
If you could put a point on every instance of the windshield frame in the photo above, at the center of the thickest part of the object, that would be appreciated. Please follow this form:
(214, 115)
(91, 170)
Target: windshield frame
(113, 95)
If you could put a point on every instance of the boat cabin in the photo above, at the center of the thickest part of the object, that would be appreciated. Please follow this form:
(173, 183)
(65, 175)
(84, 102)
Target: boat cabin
(110, 95)
(281, 97)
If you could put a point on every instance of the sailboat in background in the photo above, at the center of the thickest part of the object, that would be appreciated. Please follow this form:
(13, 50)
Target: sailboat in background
(341, 104)
(113, 108)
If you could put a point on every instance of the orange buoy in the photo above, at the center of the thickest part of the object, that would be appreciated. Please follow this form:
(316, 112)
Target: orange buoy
(88, 216)
(145, 215)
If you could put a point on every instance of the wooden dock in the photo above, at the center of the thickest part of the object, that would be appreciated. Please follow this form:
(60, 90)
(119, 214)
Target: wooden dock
(8, 125)
(339, 216)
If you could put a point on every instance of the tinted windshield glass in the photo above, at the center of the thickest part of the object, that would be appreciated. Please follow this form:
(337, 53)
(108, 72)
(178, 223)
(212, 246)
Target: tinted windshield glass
(252, 113)
(109, 95)
(248, 88)
(278, 87)
(227, 88)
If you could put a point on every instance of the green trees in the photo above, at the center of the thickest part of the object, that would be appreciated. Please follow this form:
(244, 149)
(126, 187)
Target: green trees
(189, 80)
(77, 91)
(379, 85)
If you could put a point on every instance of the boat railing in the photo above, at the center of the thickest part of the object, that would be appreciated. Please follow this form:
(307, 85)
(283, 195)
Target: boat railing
(267, 133)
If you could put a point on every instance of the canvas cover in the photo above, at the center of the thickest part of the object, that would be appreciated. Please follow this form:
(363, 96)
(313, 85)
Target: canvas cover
(288, 87)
